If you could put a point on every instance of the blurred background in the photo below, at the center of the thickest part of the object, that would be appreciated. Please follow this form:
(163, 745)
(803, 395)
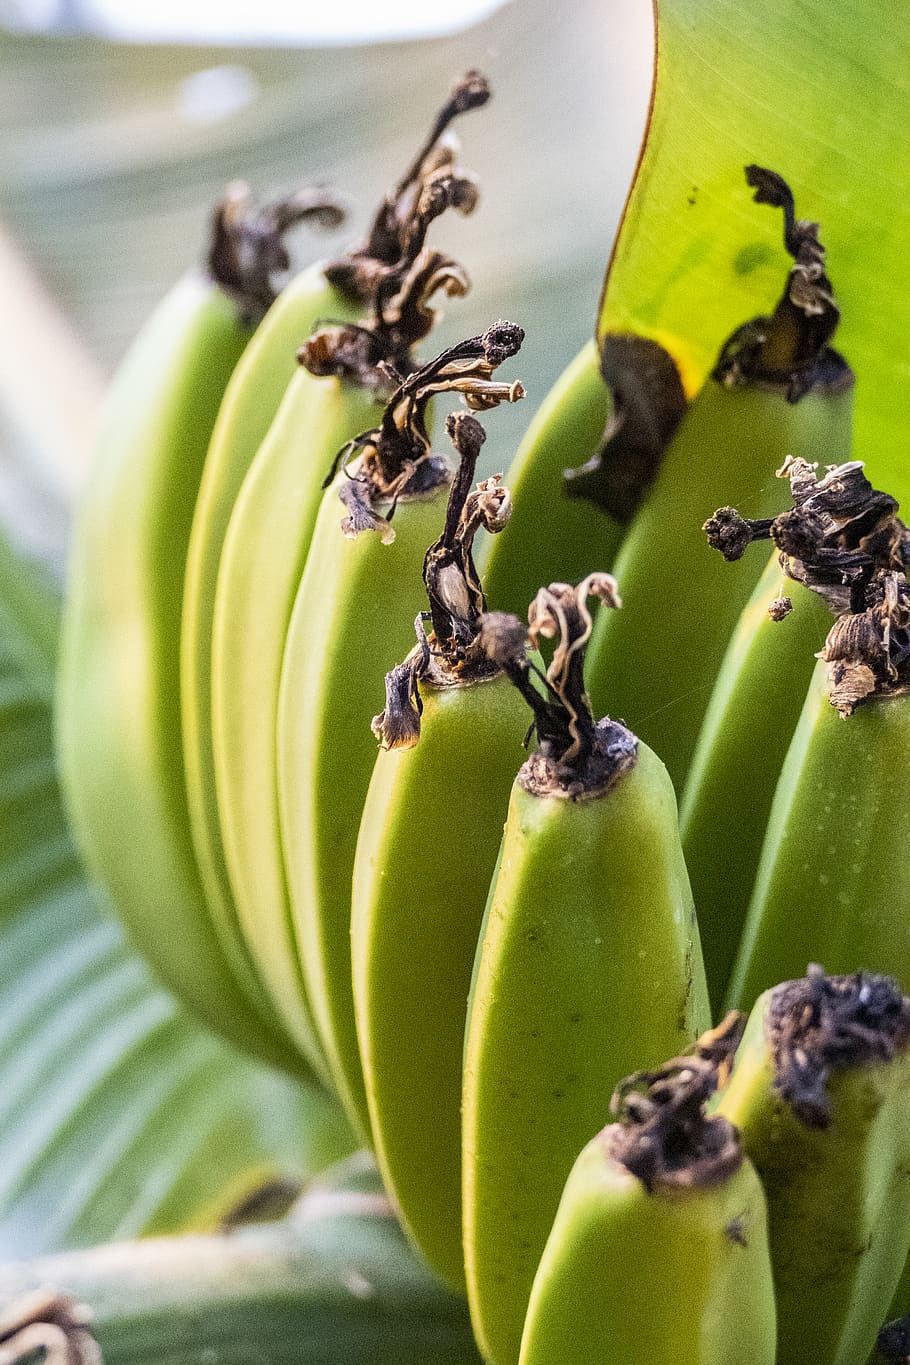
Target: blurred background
(122, 120)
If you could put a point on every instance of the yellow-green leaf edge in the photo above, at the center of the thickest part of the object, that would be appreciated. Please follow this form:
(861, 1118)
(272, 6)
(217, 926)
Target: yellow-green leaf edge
(818, 90)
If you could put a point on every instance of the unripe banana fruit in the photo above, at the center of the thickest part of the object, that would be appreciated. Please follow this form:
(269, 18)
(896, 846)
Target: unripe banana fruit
(821, 1095)
(588, 964)
(659, 1251)
(428, 842)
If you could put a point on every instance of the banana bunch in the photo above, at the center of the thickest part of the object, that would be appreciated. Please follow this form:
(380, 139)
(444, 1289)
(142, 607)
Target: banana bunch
(470, 946)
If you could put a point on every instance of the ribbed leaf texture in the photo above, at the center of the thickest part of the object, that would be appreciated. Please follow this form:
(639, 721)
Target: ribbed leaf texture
(118, 1115)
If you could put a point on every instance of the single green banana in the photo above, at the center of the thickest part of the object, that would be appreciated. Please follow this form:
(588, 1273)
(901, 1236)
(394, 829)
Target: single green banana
(778, 390)
(821, 1095)
(349, 626)
(828, 882)
(659, 1251)
(588, 965)
(428, 843)
(384, 283)
(264, 551)
(119, 700)
(741, 748)
(832, 542)
(611, 414)
(832, 878)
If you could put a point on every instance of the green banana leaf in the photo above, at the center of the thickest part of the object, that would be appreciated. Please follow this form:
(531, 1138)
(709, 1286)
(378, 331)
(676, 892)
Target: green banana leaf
(335, 1283)
(118, 1115)
(819, 91)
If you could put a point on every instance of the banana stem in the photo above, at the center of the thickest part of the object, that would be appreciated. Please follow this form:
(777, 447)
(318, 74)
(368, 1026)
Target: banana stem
(334, 1282)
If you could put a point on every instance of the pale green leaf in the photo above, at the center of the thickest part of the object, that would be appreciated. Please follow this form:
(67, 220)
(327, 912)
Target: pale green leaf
(118, 1115)
(818, 91)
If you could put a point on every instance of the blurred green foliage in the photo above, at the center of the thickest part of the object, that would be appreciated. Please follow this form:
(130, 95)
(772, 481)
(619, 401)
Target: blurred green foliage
(108, 168)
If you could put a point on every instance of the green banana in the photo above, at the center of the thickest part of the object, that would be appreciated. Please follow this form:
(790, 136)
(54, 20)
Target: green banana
(384, 283)
(821, 1095)
(349, 625)
(427, 846)
(659, 1250)
(741, 747)
(612, 413)
(118, 703)
(831, 870)
(264, 549)
(832, 879)
(588, 965)
(778, 389)
(822, 542)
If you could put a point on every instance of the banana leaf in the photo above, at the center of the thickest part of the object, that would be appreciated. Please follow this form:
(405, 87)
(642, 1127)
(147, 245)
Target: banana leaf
(818, 91)
(118, 1115)
(335, 1283)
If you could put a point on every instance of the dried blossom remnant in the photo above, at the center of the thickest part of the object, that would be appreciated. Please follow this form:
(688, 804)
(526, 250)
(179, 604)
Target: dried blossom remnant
(393, 230)
(450, 656)
(663, 1135)
(780, 607)
(398, 725)
(731, 533)
(247, 247)
(372, 352)
(394, 275)
(839, 533)
(395, 457)
(821, 1024)
(868, 652)
(48, 1326)
(449, 572)
(577, 756)
(560, 612)
(648, 404)
(893, 1341)
(789, 350)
